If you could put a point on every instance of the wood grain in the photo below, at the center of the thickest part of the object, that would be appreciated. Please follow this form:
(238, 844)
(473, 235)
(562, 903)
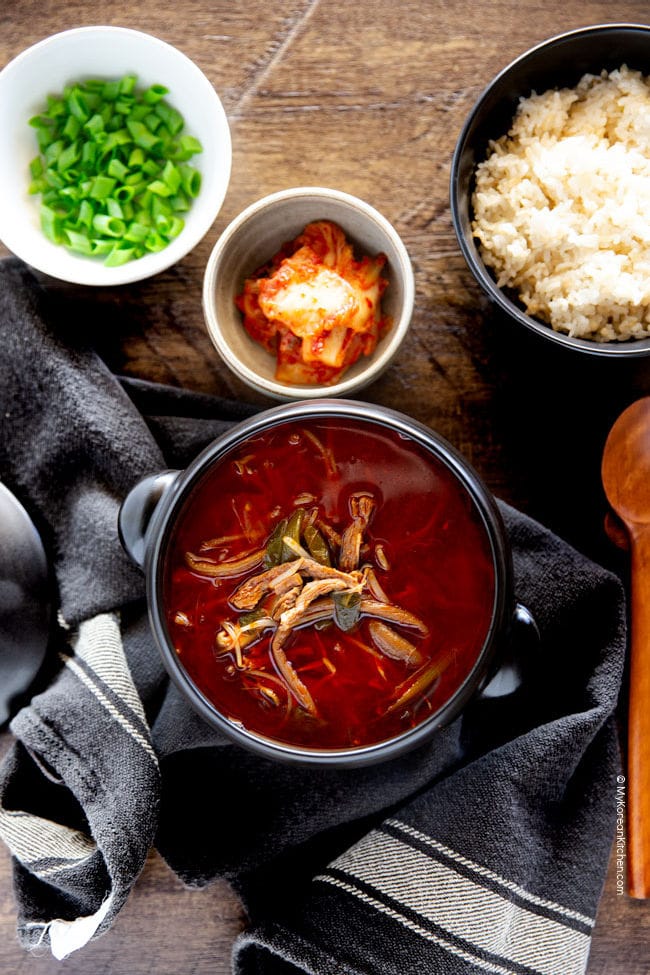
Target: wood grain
(626, 480)
(368, 98)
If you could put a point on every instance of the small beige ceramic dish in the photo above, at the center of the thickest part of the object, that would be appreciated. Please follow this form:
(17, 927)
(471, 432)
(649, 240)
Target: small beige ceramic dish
(255, 236)
(106, 53)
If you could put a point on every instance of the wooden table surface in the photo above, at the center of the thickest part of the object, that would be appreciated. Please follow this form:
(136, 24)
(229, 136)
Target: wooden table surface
(368, 98)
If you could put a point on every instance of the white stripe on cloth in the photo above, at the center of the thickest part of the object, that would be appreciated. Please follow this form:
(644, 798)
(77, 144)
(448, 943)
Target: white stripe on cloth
(99, 645)
(112, 710)
(485, 872)
(463, 908)
(487, 966)
(99, 641)
(31, 838)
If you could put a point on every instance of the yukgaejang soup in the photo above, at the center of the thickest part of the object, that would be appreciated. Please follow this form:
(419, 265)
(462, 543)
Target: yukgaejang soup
(329, 584)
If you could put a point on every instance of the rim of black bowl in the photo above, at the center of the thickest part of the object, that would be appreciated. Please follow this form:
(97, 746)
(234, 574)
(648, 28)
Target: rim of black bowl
(503, 605)
(461, 208)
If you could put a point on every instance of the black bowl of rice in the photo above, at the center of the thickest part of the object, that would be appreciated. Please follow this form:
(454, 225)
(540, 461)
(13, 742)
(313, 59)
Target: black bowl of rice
(550, 190)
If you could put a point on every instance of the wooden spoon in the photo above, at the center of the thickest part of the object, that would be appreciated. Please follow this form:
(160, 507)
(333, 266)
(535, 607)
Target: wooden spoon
(626, 479)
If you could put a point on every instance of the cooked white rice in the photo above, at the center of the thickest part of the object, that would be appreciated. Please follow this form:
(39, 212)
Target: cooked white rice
(562, 207)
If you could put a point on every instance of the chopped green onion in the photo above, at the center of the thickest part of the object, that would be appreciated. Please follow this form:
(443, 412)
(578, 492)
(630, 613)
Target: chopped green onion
(102, 246)
(138, 113)
(68, 156)
(77, 105)
(160, 207)
(179, 202)
(141, 135)
(37, 186)
(154, 242)
(55, 106)
(51, 224)
(79, 243)
(95, 124)
(36, 167)
(53, 152)
(163, 224)
(150, 167)
(151, 121)
(154, 94)
(191, 180)
(175, 227)
(136, 158)
(123, 194)
(136, 232)
(110, 90)
(102, 187)
(71, 176)
(117, 169)
(165, 137)
(88, 156)
(41, 122)
(109, 226)
(92, 100)
(119, 255)
(120, 137)
(112, 169)
(114, 209)
(172, 119)
(72, 127)
(124, 106)
(53, 179)
(171, 176)
(146, 199)
(189, 144)
(126, 85)
(85, 214)
(69, 195)
(159, 188)
(44, 138)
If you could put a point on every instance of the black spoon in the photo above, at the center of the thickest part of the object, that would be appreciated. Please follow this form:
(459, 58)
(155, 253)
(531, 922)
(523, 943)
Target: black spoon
(25, 602)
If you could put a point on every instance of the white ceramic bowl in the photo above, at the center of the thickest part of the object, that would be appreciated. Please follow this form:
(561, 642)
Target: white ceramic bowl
(255, 236)
(104, 52)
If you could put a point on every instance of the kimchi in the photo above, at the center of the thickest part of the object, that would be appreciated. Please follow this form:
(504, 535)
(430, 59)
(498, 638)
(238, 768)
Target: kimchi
(315, 307)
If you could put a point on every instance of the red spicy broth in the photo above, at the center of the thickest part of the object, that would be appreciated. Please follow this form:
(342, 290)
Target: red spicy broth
(368, 646)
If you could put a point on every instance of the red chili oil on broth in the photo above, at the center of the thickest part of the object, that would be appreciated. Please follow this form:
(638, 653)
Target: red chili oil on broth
(336, 656)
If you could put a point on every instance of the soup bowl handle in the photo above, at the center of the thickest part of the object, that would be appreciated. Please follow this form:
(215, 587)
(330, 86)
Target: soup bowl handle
(137, 510)
(521, 643)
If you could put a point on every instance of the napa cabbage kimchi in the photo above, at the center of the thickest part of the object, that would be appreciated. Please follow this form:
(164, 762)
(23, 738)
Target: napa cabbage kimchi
(315, 307)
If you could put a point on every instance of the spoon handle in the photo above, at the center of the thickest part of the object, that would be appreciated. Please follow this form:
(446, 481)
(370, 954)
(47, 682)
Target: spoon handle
(639, 719)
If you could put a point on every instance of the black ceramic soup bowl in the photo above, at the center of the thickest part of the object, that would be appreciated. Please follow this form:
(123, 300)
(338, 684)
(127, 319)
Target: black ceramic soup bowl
(329, 582)
(559, 62)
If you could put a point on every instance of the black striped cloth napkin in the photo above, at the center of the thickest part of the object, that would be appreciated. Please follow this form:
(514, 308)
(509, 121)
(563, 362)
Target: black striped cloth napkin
(483, 851)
